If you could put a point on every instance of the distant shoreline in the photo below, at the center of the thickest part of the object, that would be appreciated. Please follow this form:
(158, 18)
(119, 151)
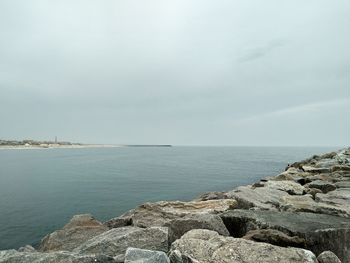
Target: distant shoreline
(75, 146)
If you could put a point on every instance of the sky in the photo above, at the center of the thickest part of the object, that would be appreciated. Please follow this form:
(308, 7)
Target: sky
(184, 72)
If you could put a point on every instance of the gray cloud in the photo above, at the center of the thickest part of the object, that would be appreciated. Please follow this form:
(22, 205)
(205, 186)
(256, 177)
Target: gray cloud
(179, 72)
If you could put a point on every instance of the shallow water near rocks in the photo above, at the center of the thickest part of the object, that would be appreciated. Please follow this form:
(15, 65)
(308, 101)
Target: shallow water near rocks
(40, 190)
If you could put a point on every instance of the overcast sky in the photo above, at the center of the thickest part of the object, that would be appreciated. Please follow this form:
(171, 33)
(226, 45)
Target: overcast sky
(183, 72)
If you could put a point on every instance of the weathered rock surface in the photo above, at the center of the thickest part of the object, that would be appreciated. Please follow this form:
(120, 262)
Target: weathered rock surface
(116, 241)
(264, 198)
(212, 196)
(275, 237)
(13, 256)
(136, 255)
(207, 246)
(160, 213)
(324, 186)
(178, 227)
(321, 232)
(328, 257)
(26, 248)
(79, 229)
(288, 186)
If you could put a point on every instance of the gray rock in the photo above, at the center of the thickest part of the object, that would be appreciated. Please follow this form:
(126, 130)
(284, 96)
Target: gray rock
(321, 232)
(160, 213)
(306, 203)
(118, 222)
(26, 248)
(264, 198)
(290, 187)
(343, 184)
(338, 199)
(178, 227)
(324, 186)
(79, 229)
(207, 246)
(136, 255)
(13, 256)
(116, 241)
(275, 237)
(212, 196)
(328, 257)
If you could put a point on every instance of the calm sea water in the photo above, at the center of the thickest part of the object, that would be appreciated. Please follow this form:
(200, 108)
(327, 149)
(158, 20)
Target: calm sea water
(40, 190)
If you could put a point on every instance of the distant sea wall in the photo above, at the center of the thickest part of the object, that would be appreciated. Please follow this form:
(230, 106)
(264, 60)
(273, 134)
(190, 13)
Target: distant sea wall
(301, 215)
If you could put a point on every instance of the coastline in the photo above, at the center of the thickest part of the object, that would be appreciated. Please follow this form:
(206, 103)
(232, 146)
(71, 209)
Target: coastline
(301, 214)
(32, 147)
(77, 146)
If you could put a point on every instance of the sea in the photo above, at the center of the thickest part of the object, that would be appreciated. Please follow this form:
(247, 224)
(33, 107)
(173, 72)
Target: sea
(41, 189)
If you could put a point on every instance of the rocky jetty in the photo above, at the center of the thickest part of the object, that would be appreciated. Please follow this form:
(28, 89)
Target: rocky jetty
(301, 215)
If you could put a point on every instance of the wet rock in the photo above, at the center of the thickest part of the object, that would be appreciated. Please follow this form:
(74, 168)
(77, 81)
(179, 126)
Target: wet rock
(178, 227)
(207, 246)
(275, 237)
(321, 232)
(79, 229)
(136, 255)
(324, 186)
(116, 241)
(13, 256)
(160, 213)
(328, 257)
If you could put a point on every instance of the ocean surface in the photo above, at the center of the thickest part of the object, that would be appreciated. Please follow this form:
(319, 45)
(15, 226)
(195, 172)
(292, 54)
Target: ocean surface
(40, 190)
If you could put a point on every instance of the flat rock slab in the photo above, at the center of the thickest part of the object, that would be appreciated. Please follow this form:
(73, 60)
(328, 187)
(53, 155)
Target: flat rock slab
(136, 255)
(79, 229)
(116, 241)
(13, 256)
(160, 213)
(321, 232)
(207, 246)
(265, 198)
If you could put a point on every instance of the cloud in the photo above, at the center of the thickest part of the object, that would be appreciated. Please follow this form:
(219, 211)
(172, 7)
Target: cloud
(261, 51)
(309, 108)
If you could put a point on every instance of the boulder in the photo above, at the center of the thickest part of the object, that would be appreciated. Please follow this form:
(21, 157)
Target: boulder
(116, 241)
(338, 199)
(136, 255)
(212, 196)
(79, 229)
(328, 257)
(160, 213)
(207, 246)
(275, 237)
(342, 184)
(320, 232)
(290, 187)
(13, 256)
(264, 198)
(178, 227)
(324, 186)
(306, 203)
(26, 248)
